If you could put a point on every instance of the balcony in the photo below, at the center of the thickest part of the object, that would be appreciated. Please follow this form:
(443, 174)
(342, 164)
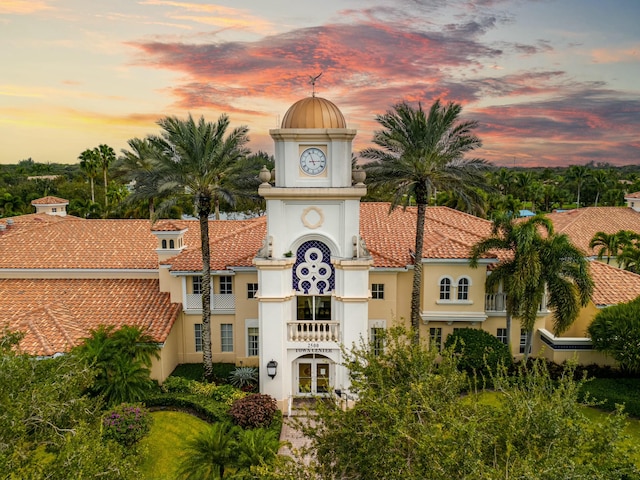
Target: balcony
(496, 303)
(220, 302)
(313, 331)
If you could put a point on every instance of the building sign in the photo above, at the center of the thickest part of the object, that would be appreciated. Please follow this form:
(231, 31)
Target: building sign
(314, 348)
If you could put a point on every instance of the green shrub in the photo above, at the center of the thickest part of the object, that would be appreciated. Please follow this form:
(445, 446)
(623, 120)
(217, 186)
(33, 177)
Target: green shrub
(190, 371)
(478, 351)
(205, 408)
(615, 331)
(227, 394)
(127, 424)
(202, 388)
(608, 392)
(221, 372)
(176, 384)
(254, 411)
(244, 378)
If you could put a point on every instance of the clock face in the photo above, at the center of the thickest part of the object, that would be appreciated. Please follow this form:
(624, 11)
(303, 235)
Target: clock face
(313, 161)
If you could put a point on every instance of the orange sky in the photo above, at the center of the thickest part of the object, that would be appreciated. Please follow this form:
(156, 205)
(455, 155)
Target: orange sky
(551, 82)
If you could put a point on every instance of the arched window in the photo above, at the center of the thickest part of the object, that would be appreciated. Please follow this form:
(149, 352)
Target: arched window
(164, 244)
(172, 244)
(445, 289)
(463, 289)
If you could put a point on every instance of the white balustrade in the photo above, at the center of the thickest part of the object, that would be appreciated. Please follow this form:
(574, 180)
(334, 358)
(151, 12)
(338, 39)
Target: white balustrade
(313, 331)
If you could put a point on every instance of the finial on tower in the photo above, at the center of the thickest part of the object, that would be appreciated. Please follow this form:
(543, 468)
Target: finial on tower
(312, 81)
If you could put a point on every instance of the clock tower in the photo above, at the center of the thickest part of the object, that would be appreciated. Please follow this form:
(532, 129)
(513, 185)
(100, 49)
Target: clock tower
(313, 270)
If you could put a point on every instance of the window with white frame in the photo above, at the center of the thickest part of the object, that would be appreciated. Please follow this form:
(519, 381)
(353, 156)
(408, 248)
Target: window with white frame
(196, 283)
(226, 284)
(501, 334)
(197, 333)
(377, 291)
(445, 289)
(226, 337)
(435, 338)
(523, 340)
(253, 339)
(252, 289)
(377, 340)
(463, 289)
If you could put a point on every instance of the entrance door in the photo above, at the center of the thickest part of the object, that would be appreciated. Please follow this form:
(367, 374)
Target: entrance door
(313, 376)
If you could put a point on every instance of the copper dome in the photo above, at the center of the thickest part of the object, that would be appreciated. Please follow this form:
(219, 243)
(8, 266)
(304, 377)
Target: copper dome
(313, 112)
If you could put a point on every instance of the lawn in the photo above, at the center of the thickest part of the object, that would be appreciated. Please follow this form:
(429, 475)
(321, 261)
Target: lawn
(163, 444)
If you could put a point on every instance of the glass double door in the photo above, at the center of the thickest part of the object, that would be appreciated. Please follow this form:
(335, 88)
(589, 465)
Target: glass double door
(313, 376)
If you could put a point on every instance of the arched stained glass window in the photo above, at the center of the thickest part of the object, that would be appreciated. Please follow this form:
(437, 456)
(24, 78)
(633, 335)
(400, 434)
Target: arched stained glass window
(313, 273)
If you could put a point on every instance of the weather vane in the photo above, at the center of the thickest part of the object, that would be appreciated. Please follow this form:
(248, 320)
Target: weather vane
(312, 81)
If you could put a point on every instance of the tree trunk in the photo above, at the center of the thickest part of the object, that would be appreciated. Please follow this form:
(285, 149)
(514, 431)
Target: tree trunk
(207, 357)
(528, 343)
(93, 194)
(106, 200)
(417, 274)
(508, 319)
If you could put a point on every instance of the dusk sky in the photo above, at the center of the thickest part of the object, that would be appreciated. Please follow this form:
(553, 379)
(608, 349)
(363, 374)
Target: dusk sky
(551, 82)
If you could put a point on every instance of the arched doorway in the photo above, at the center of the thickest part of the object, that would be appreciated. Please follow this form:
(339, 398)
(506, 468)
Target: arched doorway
(313, 375)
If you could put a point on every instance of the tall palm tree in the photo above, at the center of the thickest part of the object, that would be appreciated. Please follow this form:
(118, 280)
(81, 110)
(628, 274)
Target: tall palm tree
(89, 164)
(106, 157)
(539, 263)
(139, 167)
(602, 180)
(611, 244)
(421, 152)
(199, 159)
(579, 175)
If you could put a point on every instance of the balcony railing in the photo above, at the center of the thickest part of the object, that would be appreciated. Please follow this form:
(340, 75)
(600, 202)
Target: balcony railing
(496, 302)
(220, 302)
(313, 331)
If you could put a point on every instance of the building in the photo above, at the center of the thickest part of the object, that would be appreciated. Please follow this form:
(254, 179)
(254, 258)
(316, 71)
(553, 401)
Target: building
(322, 269)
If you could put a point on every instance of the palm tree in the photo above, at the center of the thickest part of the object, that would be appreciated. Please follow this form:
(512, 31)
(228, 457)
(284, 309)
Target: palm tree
(421, 153)
(629, 258)
(200, 160)
(208, 454)
(602, 180)
(106, 156)
(89, 164)
(578, 174)
(540, 263)
(139, 167)
(611, 244)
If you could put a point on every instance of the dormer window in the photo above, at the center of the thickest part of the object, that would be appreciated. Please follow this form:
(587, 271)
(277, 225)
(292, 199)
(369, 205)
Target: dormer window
(164, 244)
(172, 244)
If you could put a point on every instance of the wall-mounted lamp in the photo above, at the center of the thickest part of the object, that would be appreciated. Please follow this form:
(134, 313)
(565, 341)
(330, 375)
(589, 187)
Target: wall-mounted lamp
(272, 368)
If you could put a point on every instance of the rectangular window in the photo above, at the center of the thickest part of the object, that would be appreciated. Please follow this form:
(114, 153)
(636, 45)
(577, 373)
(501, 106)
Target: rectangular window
(314, 308)
(377, 291)
(226, 337)
(501, 334)
(197, 285)
(377, 342)
(435, 338)
(197, 331)
(523, 340)
(252, 289)
(226, 284)
(252, 342)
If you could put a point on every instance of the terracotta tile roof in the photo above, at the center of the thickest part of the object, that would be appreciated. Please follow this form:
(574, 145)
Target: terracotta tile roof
(49, 201)
(583, 223)
(633, 195)
(76, 243)
(170, 225)
(56, 314)
(390, 237)
(613, 285)
(232, 243)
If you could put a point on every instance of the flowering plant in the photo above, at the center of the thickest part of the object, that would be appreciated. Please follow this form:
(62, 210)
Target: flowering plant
(127, 424)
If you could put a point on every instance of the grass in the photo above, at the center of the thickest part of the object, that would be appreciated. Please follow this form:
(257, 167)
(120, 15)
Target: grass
(163, 444)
